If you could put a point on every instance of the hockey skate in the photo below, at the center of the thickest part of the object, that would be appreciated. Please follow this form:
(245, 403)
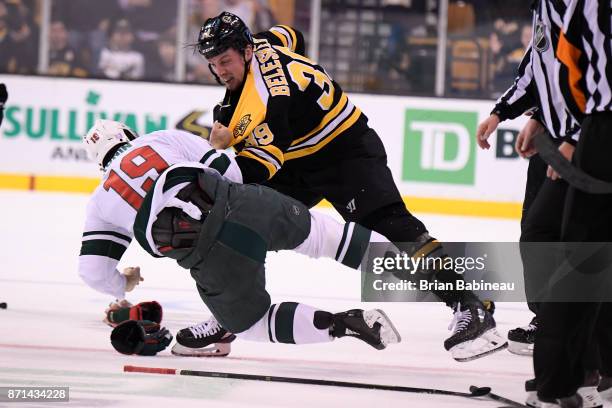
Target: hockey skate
(586, 397)
(206, 339)
(521, 339)
(372, 327)
(532, 394)
(605, 388)
(589, 393)
(569, 402)
(590, 397)
(474, 334)
(575, 401)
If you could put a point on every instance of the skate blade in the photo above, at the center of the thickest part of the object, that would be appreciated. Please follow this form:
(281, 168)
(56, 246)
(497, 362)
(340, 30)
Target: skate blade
(532, 400)
(521, 349)
(487, 343)
(590, 397)
(388, 332)
(215, 350)
(606, 394)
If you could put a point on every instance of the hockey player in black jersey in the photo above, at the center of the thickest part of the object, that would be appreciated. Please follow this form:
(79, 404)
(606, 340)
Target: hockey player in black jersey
(295, 130)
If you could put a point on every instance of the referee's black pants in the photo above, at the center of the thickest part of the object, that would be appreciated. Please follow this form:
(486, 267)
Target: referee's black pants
(567, 329)
(540, 222)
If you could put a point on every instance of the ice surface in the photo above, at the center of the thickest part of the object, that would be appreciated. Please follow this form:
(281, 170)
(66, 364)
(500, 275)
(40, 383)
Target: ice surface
(52, 334)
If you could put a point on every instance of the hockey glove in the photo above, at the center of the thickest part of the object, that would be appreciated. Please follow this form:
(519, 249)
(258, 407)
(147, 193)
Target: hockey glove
(3, 95)
(141, 337)
(3, 98)
(143, 311)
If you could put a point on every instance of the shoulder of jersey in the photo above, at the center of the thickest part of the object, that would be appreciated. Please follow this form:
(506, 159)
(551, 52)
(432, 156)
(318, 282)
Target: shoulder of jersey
(285, 36)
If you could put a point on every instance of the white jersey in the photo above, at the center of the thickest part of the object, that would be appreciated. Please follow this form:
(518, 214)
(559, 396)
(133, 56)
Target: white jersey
(117, 64)
(127, 178)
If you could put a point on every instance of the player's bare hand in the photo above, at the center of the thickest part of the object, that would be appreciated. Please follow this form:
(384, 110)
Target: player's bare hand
(567, 151)
(524, 145)
(485, 129)
(118, 304)
(132, 277)
(220, 136)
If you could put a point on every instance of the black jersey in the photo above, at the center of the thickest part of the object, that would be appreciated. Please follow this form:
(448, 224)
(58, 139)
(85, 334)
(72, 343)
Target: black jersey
(288, 107)
(66, 62)
(585, 49)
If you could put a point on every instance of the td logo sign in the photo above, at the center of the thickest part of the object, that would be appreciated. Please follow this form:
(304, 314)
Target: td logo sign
(439, 146)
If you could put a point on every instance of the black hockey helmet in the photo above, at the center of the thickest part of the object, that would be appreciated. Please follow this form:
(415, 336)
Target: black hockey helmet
(221, 33)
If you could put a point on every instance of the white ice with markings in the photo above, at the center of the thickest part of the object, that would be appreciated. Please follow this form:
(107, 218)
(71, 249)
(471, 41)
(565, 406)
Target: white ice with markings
(53, 335)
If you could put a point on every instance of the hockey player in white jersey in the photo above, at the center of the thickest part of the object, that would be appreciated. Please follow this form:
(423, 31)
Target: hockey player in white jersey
(131, 167)
(217, 230)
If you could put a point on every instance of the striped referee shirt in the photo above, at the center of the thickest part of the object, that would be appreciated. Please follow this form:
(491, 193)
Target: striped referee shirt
(585, 49)
(536, 87)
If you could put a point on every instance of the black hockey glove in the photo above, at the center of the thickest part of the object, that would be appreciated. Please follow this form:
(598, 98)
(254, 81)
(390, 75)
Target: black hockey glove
(3, 94)
(3, 98)
(141, 337)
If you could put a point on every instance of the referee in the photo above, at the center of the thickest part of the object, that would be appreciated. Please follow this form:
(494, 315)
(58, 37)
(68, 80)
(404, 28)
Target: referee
(536, 88)
(585, 49)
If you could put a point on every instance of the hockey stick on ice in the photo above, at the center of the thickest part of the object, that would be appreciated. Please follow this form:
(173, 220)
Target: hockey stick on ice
(573, 175)
(496, 397)
(474, 391)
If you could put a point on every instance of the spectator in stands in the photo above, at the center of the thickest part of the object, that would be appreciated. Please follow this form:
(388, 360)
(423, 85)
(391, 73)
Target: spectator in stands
(88, 23)
(161, 67)
(149, 20)
(491, 12)
(516, 56)
(256, 12)
(503, 40)
(245, 9)
(197, 68)
(507, 47)
(8, 57)
(20, 36)
(119, 60)
(263, 16)
(63, 59)
(399, 62)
